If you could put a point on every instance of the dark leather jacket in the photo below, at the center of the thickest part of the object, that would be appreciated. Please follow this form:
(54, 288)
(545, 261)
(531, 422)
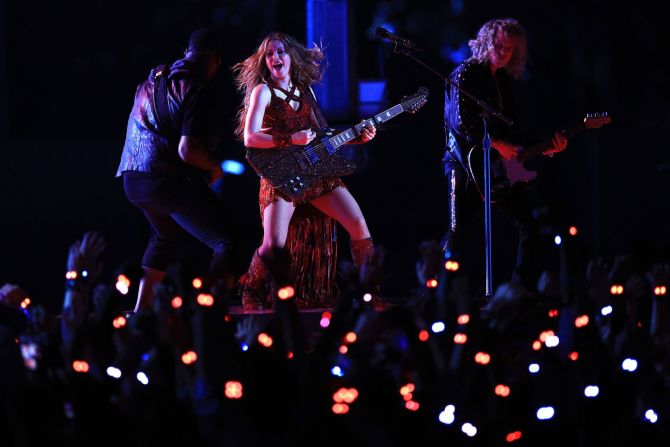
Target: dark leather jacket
(462, 121)
(148, 148)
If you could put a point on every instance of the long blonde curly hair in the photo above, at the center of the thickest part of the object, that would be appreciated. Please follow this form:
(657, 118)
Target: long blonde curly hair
(307, 67)
(485, 40)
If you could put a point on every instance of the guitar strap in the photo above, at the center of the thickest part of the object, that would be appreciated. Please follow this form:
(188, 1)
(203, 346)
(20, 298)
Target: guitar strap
(164, 118)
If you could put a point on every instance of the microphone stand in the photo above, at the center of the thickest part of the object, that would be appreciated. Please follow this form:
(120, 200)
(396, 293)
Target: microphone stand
(487, 112)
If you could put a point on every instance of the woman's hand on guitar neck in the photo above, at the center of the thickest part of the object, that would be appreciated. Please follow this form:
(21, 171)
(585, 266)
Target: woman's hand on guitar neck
(558, 144)
(506, 150)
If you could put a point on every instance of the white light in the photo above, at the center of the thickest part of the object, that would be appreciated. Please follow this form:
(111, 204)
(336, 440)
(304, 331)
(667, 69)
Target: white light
(447, 418)
(591, 391)
(606, 310)
(232, 167)
(534, 368)
(557, 240)
(629, 365)
(122, 288)
(367, 297)
(437, 327)
(84, 273)
(469, 429)
(551, 341)
(245, 347)
(142, 378)
(114, 372)
(337, 371)
(325, 322)
(651, 416)
(544, 413)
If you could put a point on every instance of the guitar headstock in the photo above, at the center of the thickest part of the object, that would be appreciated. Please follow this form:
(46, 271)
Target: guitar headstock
(414, 102)
(596, 120)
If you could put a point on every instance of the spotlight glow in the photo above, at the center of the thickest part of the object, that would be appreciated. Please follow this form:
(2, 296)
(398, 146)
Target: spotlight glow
(651, 416)
(605, 311)
(591, 391)
(629, 365)
(545, 413)
(469, 429)
(438, 327)
(142, 378)
(367, 297)
(114, 372)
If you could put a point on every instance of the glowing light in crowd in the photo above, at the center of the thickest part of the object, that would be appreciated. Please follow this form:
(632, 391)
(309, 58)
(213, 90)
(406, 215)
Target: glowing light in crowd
(514, 436)
(447, 415)
(264, 339)
(25, 303)
(122, 284)
(545, 413)
(482, 358)
(451, 266)
(438, 327)
(177, 302)
(142, 378)
(557, 240)
(119, 322)
(289, 355)
(325, 319)
(71, 275)
(84, 274)
(80, 366)
(233, 389)
(343, 349)
(412, 405)
(469, 429)
(537, 345)
(616, 289)
(367, 297)
(205, 299)
(651, 416)
(337, 371)
(463, 319)
(591, 391)
(573, 231)
(546, 334)
(629, 365)
(245, 347)
(407, 389)
(232, 167)
(340, 408)
(350, 337)
(606, 311)
(574, 355)
(424, 335)
(114, 372)
(552, 342)
(582, 321)
(196, 283)
(286, 293)
(431, 283)
(227, 318)
(534, 368)
(553, 313)
(502, 390)
(660, 290)
(460, 339)
(346, 395)
(188, 358)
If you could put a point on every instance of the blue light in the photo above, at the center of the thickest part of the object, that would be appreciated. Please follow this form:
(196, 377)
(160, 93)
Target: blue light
(337, 371)
(371, 91)
(232, 167)
(245, 347)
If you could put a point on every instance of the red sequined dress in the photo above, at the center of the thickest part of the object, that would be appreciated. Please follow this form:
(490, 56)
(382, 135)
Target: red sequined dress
(312, 236)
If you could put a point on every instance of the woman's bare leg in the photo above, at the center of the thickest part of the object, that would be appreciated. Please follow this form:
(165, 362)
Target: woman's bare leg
(341, 206)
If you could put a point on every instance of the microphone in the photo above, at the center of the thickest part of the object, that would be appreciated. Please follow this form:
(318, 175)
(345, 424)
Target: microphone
(388, 35)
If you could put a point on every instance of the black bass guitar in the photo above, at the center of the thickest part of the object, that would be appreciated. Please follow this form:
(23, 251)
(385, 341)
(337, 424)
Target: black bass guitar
(505, 173)
(294, 169)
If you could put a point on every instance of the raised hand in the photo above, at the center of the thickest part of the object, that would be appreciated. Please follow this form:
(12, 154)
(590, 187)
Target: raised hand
(84, 256)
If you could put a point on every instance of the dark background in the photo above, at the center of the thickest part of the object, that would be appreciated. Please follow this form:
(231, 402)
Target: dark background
(68, 71)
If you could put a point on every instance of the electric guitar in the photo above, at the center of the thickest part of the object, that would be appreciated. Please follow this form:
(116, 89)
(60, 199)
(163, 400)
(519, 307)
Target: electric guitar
(294, 169)
(506, 173)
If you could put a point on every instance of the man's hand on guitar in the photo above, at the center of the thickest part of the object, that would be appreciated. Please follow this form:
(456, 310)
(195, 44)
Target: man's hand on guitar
(304, 137)
(558, 144)
(368, 133)
(506, 150)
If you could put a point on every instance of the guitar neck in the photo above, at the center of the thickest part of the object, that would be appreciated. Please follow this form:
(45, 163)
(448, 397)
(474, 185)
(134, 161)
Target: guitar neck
(353, 132)
(537, 149)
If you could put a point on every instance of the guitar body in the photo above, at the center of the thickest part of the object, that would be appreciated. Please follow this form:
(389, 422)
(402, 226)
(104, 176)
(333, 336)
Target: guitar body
(287, 171)
(294, 170)
(506, 173)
